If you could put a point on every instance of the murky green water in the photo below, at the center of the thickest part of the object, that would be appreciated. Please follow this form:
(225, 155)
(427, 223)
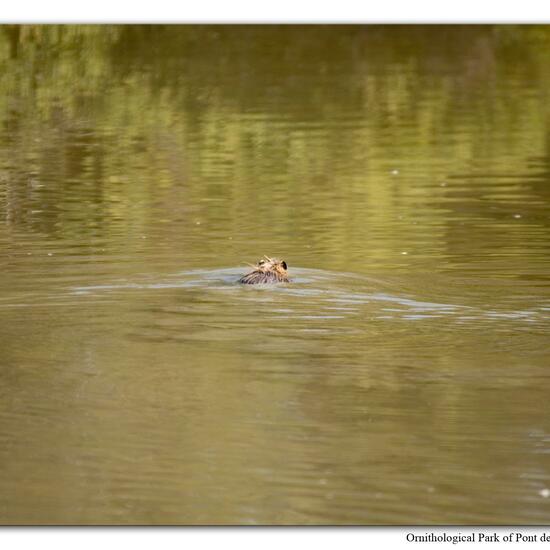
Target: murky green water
(402, 377)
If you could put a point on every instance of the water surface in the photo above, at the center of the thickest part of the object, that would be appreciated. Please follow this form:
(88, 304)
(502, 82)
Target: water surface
(402, 377)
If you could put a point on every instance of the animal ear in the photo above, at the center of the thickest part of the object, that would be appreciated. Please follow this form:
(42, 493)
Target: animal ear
(283, 264)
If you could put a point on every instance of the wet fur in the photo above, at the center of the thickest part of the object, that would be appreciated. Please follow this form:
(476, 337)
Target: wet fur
(268, 270)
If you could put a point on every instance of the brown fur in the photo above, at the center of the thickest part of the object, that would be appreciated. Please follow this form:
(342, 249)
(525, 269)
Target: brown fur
(268, 270)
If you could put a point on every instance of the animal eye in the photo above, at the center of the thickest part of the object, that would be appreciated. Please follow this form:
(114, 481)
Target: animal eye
(283, 264)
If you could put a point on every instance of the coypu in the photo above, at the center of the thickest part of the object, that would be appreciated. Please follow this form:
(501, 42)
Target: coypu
(268, 270)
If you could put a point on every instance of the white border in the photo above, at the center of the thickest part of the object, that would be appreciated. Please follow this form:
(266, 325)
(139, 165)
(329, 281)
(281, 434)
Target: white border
(257, 538)
(275, 11)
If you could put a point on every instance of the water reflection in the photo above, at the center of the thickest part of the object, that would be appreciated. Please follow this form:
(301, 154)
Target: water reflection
(402, 172)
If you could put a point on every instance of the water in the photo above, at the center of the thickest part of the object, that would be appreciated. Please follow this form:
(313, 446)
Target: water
(401, 377)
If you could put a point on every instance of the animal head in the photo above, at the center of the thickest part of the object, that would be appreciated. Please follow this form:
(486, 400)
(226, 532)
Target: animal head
(272, 264)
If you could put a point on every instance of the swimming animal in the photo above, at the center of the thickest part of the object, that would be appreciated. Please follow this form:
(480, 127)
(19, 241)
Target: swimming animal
(267, 270)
